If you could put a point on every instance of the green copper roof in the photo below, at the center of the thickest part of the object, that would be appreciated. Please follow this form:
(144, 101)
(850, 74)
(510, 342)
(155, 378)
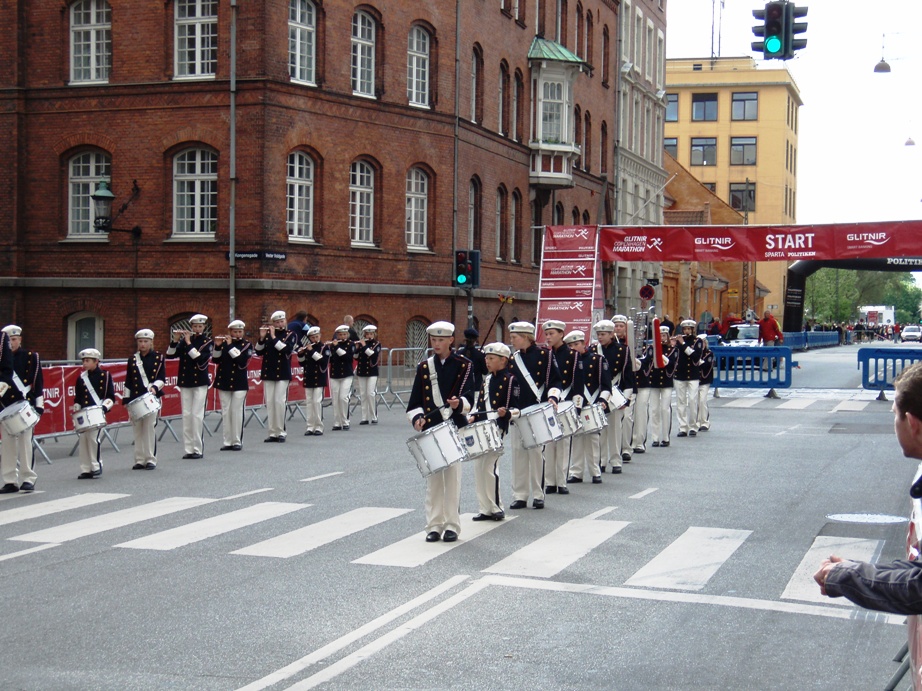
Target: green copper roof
(542, 49)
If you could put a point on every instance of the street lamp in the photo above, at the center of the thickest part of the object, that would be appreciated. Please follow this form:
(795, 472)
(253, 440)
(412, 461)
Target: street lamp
(102, 201)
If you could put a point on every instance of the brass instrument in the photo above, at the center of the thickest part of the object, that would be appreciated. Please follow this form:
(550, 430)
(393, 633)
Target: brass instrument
(638, 325)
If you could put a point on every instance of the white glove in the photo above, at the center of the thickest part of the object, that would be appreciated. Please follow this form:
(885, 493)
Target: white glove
(107, 404)
(77, 407)
(340, 352)
(4, 387)
(234, 352)
(689, 350)
(578, 401)
(317, 356)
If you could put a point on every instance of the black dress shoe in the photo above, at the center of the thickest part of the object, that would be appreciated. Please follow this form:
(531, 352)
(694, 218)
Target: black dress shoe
(562, 490)
(433, 537)
(86, 476)
(151, 466)
(317, 434)
(550, 489)
(237, 447)
(97, 473)
(138, 466)
(682, 434)
(626, 457)
(597, 480)
(703, 429)
(483, 517)
(308, 433)
(336, 429)
(270, 439)
(664, 443)
(374, 422)
(639, 449)
(574, 480)
(27, 487)
(537, 504)
(655, 444)
(518, 504)
(8, 488)
(227, 447)
(364, 422)
(188, 455)
(616, 470)
(692, 433)
(449, 536)
(498, 516)
(345, 428)
(602, 469)
(281, 440)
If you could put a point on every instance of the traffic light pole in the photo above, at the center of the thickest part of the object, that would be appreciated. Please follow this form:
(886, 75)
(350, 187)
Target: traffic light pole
(470, 308)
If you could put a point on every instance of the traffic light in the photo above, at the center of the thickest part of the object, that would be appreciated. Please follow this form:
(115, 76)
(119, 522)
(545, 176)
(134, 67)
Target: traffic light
(772, 30)
(467, 269)
(791, 28)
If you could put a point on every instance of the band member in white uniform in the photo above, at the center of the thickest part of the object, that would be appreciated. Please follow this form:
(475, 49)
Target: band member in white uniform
(94, 387)
(276, 344)
(705, 380)
(494, 403)
(193, 350)
(591, 385)
(442, 390)
(342, 354)
(614, 348)
(17, 458)
(146, 373)
(557, 454)
(660, 379)
(367, 355)
(231, 354)
(314, 357)
(685, 380)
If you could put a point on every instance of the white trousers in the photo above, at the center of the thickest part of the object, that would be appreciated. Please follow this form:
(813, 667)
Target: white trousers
(88, 444)
(527, 468)
(233, 405)
(613, 442)
(486, 482)
(704, 415)
(314, 403)
(341, 390)
(661, 409)
(586, 452)
(17, 451)
(557, 456)
(627, 424)
(193, 417)
(443, 500)
(641, 409)
(367, 387)
(275, 395)
(145, 439)
(687, 404)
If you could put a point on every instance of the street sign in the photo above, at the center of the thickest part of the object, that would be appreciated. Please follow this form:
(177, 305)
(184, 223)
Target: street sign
(647, 292)
(652, 281)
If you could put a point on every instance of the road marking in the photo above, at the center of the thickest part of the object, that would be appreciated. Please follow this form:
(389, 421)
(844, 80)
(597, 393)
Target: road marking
(30, 550)
(415, 551)
(850, 406)
(20, 495)
(115, 519)
(46, 508)
(742, 403)
(320, 477)
(349, 638)
(318, 534)
(796, 403)
(247, 494)
(211, 527)
(601, 512)
(690, 561)
(803, 587)
(641, 495)
(549, 555)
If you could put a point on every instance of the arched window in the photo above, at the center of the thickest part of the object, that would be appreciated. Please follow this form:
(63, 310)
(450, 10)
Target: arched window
(477, 85)
(515, 221)
(603, 146)
(85, 330)
(517, 110)
(363, 54)
(578, 133)
(500, 223)
(575, 216)
(417, 207)
(606, 54)
(300, 196)
(474, 207)
(361, 203)
(417, 343)
(90, 41)
(588, 42)
(503, 99)
(586, 217)
(195, 192)
(84, 172)
(587, 143)
(579, 31)
(302, 41)
(558, 214)
(418, 67)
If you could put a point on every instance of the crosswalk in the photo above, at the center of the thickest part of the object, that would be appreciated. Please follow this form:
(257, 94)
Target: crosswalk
(833, 402)
(689, 562)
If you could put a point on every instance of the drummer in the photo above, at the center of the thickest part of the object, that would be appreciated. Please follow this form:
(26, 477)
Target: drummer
(146, 373)
(429, 406)
(557, 453)
(93, 388)
(538, 382)
(592, 385)
(494, 403)
(27, 384)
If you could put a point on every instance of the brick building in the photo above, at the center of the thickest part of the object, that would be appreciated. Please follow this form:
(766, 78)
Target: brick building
(327, 145)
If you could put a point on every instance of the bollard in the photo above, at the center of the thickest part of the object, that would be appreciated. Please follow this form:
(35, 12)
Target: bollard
(881, 396)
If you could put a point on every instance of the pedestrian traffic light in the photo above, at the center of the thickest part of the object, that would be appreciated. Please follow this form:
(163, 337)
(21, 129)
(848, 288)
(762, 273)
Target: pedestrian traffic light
(772, 30)
(791, 28)
(464, 271)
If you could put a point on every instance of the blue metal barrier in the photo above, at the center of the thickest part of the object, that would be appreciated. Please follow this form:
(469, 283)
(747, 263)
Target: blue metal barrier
(753, 368)
(822, 339)
(879, 366)
(796, 340)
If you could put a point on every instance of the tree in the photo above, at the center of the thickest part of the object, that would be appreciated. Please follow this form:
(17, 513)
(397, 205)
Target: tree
(832, 295)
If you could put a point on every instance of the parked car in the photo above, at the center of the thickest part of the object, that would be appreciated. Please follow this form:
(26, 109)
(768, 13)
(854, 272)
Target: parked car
(912, 332)
(742, 335)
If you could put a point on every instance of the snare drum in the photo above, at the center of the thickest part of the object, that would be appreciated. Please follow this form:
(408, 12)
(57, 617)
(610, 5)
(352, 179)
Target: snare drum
(593, 418)
(568, 418)
(437, 448)
(18, 417)
(538, 425)
(481, 438)
(142, 406)
(89, 418)
(617, 400)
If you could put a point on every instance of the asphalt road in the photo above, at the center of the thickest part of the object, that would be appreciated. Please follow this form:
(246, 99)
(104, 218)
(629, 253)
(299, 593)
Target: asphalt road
(303, 564)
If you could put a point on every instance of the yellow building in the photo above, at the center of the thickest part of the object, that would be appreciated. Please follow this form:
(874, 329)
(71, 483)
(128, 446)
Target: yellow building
(733, 123)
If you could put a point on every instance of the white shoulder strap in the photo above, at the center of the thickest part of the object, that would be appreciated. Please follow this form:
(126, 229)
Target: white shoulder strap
(141, 372)
(85, 376)
(526, 375)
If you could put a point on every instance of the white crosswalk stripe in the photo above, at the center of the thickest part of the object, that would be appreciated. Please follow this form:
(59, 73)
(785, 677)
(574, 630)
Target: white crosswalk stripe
(47, 508)
(803, 587)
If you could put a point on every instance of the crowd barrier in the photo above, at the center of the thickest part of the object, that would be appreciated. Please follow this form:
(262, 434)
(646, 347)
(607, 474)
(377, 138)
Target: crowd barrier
(880, 366)
(804, 340)
(764, 367)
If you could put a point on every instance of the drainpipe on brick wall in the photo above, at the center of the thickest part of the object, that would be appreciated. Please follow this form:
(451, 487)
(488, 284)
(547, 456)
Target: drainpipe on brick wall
(457, 133)
(232, 220)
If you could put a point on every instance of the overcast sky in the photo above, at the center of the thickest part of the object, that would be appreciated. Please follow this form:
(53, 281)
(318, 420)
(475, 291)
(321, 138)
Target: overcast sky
(853, 164)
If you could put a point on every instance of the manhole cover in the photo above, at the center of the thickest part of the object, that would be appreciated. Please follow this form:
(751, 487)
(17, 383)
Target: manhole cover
(866, 518)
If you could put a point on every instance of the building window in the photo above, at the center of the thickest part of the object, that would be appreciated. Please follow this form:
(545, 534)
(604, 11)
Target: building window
(560, 26)
(84, 330)
(90, 41)
(606, 54)
(710, 186)
(84, 172)
(578, 134)
(558, 214)
(704, 107)
(579, 31)
(502, 102)
(476, 85)
(575, 215)
(418, 67)
(361, 203)
(671, 145)
(195, 192)
(196, 38)
(300, 196)
(745, 106)
(417, 342)
(742, 151)
(587, 143)
(417, 209)
(302, 41)
(588, 44)
(516, 132)
(703, 151)
(363, 55)
(515, 218)
(500, 223)
(537, 233)
(552, 112)
(743, 196)
(474, 206)
(585, 217)
(672, 107)
(603, 146)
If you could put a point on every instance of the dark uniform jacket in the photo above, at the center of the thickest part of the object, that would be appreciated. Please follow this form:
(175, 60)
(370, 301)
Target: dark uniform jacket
(688, 365)
(155, 369)
(566, 365)
(706, 368)
(497, 388)
(454, 378)
(315, 359)
(367, 364)
(650, 377)
(475, 355)
(341, 364)
(231, 374)
(620, 364)
(28, 365)
(193, 360)
(101, 381)
(6, 359)
(542, 367)
(276, 353)
(593, 378)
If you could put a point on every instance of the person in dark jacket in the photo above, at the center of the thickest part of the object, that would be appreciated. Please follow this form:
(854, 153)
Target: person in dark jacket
(314, 357)
(232, 354)
(93, 387)
(193, 350)
(25, 383)
(367, 368)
